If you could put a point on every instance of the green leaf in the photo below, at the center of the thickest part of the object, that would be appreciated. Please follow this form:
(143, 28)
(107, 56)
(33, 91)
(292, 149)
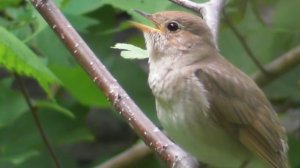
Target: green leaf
(7, 3)
(39, 22)
(80, 86)
(81, 23)
(17, 140)
(129, 51)
(285, 87)
(260, 7)
(286, 15)
(19, 158)
(25, 22)
(56, 53)
(78, 7)
(258, 37)
(294, 151)
(147, 6)
(56, 107)
(21, 142)
(16, 56)
(235, 10)
(12, 104)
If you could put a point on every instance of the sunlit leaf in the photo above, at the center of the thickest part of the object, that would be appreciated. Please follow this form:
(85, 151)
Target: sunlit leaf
(129, 51)
(16, 56)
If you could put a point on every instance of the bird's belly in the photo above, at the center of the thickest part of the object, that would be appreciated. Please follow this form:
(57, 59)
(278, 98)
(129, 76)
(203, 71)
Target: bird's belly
(195, 132)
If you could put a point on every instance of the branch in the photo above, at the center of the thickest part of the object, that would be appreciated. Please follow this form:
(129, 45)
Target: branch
(210, 11)
(189, 5)
(129, 157)
(278, 67)
(136, 153)
(37, 121)
(151, 135)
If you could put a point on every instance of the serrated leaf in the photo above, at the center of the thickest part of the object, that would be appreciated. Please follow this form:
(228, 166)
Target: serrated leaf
(129, 51)
(16, 56)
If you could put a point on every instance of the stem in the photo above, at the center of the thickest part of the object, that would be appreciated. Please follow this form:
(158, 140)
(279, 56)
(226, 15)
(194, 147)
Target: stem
(37, 121)
(278, 67)
(128, 158)
(245, 45)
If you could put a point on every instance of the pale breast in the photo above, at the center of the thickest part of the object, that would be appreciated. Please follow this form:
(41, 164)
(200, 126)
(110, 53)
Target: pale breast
(183, 111)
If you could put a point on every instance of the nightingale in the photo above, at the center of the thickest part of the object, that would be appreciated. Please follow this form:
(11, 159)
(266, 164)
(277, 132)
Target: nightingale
(206, 105)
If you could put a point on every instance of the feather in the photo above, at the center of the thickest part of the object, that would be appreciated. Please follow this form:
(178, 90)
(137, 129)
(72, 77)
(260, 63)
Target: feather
(242, 109)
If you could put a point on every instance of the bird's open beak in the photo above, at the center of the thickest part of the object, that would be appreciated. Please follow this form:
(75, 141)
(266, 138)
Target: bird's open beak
(142, 27)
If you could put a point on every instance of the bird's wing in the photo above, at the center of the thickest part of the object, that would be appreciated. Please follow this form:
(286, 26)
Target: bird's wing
(244, 111)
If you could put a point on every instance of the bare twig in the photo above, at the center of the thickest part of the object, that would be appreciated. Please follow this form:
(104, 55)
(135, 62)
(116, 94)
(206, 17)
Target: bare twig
(189, 5)
(129, 157)
(37, 121)
(244, 44)
(151, 135)
(211, 14)
(210, 11)
(278, 67)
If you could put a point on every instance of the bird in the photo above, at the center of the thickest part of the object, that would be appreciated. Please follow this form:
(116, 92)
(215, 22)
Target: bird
(206, 105)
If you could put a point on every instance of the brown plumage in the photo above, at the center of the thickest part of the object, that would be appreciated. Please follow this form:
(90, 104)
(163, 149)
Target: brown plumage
(208, 106)
(249, 116)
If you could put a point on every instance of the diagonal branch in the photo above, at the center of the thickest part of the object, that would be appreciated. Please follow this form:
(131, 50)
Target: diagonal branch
(151, 135)
(278, 67)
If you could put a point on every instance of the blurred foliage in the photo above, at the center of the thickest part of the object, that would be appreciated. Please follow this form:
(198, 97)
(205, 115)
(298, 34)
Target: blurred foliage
(75, 114)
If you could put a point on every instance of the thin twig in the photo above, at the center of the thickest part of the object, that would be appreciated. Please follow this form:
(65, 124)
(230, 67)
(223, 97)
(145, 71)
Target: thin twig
(129, 157)
(189, 5)
(278, 67)
(211, 14)
(37, 121)
(210, 11)
(245, 45)
(151, 135)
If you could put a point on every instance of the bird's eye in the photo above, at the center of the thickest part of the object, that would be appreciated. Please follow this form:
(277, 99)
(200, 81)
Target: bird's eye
(173, 26)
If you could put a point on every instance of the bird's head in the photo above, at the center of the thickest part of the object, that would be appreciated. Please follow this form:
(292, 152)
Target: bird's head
(175, 34)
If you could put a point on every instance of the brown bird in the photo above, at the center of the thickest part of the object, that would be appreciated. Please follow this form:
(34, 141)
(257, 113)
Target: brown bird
(205, 104)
